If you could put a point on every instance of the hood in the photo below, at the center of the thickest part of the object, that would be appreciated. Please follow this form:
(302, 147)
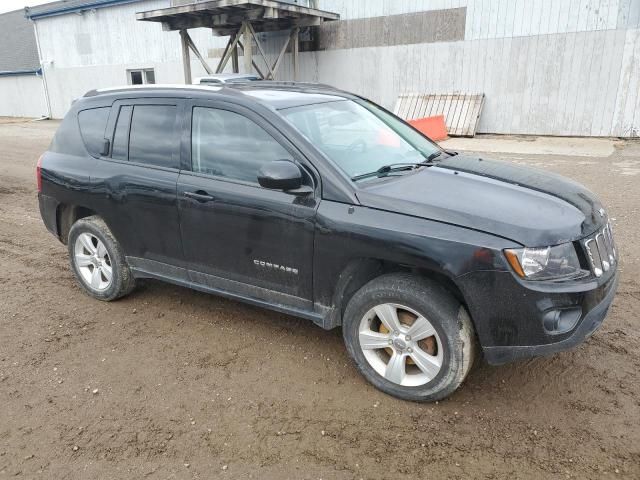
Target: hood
(530, 206)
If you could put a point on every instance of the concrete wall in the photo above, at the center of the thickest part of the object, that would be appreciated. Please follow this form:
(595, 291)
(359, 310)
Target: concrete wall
(22, 96)
(555, 67)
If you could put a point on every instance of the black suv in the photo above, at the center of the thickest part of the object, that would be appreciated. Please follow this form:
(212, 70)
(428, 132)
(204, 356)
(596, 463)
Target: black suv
(320, 204)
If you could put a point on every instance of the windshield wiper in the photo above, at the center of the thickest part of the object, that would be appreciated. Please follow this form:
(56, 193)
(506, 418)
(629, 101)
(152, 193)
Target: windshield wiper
(433, 156)
(396, 167)
(393, 167)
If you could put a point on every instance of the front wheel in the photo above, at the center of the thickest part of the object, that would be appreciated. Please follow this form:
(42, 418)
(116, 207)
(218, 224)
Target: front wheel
(409, 337)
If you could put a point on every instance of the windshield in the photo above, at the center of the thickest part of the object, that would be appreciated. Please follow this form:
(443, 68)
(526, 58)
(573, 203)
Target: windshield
(358, 136)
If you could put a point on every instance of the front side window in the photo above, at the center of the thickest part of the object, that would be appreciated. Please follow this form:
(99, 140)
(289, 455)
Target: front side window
(153, 138)
(358, 136)
(93, 123)
(227, 144)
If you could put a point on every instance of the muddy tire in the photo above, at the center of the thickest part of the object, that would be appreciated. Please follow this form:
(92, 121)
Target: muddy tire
(409, 337)
(97, 260)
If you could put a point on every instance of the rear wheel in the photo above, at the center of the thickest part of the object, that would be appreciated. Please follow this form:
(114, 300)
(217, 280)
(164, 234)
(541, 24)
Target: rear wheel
(409, 337)
(98, 261)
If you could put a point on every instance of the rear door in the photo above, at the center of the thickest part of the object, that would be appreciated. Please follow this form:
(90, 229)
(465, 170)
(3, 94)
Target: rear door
(137, 180)
(238, 236)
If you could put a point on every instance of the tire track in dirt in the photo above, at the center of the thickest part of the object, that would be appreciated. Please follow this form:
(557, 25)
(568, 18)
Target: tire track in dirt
(187, 378)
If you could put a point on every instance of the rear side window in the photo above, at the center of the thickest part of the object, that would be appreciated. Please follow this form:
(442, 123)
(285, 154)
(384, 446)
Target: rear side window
(153, 138)
(93, 123)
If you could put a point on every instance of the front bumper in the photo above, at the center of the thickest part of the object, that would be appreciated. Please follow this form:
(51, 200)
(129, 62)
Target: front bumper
(585, 328)
(510, 315)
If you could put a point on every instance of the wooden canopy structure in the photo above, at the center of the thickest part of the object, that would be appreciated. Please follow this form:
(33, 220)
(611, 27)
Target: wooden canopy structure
(242, 20)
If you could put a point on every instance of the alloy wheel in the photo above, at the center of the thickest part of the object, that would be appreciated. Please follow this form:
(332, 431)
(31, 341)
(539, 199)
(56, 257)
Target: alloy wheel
(93, 262)
(400, 344)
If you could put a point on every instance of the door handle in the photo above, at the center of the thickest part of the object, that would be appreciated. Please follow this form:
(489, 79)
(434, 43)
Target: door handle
(199, 196)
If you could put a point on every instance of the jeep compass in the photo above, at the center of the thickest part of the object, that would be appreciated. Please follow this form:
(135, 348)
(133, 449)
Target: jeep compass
(321, 204)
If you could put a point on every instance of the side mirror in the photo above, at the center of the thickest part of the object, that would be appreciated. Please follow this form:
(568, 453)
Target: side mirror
(282, 175)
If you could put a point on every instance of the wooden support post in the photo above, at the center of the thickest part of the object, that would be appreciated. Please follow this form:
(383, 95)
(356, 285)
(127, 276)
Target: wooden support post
(264, 57)
(246, 45)
(253, 62)
(276, 64)
(186, 61)
(228, 52)
(225, 53)
(234, 59)
(196, 52)
(295, 47)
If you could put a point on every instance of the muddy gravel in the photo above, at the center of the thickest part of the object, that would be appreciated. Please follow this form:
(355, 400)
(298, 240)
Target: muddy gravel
(169, 383)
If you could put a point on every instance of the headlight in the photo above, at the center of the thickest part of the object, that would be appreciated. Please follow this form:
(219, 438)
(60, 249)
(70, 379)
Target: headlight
(545, 263)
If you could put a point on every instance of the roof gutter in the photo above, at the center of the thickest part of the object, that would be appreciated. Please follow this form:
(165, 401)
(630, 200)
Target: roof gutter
(76, 8)
(13, 73)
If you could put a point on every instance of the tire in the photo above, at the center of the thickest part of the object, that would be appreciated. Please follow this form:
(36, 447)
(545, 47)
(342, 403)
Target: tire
(423, 368)
(93, 253)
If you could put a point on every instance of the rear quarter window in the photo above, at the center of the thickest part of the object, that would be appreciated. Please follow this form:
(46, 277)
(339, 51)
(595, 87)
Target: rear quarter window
(93, 123)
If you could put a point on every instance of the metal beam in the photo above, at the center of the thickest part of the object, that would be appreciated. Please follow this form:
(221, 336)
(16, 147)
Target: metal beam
(186, 61)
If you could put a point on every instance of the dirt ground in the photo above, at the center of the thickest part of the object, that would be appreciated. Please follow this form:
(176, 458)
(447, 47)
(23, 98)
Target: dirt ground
(169, 383)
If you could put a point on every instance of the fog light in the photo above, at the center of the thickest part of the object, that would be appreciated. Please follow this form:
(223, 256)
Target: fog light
(561, 321)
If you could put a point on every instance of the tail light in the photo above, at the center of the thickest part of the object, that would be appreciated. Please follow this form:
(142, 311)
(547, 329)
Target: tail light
(39, 173)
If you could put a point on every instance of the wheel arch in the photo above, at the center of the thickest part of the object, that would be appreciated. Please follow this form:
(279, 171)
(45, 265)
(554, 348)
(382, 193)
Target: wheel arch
(361, 271)
(67, 215)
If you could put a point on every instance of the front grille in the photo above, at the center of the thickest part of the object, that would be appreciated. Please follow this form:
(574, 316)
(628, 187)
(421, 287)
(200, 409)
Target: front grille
(601, 251)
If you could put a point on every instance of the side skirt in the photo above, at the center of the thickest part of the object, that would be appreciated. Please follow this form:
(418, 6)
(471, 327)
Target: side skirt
(143, 268)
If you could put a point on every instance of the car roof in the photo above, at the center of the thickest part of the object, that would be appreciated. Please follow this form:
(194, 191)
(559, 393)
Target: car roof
(276, 95)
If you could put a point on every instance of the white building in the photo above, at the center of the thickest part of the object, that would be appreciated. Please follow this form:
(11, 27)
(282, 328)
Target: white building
(21, 87)
(561, 67)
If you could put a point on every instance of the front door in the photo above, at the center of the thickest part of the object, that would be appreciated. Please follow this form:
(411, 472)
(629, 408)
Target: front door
(236, 235)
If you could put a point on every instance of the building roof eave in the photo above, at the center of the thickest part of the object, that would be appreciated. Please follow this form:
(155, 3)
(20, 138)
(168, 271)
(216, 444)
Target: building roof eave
(64, 8)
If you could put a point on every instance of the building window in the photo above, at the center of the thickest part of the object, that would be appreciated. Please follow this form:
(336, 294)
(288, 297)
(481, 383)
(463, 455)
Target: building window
(142, 76)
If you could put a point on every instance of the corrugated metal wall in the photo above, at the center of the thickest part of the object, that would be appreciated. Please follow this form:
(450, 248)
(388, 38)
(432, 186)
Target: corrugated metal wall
(553, 67)
(556, 67)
